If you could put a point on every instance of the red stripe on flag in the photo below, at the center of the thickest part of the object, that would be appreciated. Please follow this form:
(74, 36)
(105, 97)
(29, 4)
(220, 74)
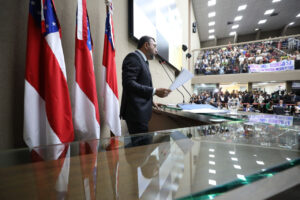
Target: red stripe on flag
(85, 73)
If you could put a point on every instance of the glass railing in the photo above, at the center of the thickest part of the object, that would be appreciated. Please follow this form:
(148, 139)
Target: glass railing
(189, 163)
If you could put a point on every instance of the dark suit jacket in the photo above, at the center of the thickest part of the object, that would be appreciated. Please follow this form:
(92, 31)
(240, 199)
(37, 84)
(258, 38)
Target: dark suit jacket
(137, 94)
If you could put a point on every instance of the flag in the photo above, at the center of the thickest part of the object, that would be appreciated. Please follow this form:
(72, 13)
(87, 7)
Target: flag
(51, 167)
(88, 162)
(85, 109)
(47, 107)
(110, 85)
(112, 152)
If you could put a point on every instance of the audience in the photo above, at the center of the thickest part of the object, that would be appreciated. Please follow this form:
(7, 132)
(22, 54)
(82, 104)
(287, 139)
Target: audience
(236, 59)
(256, 101)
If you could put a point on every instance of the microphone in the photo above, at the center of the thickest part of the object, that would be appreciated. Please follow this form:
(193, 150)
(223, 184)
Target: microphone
(162, 62)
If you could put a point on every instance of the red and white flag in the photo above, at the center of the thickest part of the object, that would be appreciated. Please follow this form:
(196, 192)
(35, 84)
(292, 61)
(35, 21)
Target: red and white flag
(47, 107)
(85, 109)
(110, 85)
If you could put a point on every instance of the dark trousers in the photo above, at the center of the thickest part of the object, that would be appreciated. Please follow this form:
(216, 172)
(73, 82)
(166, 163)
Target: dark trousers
(137, 127)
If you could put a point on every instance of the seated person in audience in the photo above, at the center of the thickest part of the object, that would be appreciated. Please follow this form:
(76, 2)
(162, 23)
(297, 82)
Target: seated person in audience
(248, 108)
(281, 104)
(193, 98)
(213, 103)
(208, 70)
(269, 107)
(219, 105)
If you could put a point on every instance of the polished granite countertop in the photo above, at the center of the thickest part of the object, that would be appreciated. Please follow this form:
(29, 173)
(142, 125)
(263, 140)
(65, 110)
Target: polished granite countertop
(199, 162)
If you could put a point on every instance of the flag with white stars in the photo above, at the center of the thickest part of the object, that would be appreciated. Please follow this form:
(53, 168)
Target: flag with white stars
(110, 85)
(47, 107)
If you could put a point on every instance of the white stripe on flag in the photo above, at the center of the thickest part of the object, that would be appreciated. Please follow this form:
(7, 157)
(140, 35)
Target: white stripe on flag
(54, 42)
(85, 123)
(79, 20)
(37, 130)
(112, 111)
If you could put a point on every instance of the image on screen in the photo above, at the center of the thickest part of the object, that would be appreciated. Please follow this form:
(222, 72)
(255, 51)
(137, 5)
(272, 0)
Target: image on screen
(160, 20)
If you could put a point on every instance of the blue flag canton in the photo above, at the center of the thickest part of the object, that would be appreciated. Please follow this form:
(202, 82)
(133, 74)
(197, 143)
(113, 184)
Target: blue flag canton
(35, 11)
(51, 23)
(89, 39)
(108, 29)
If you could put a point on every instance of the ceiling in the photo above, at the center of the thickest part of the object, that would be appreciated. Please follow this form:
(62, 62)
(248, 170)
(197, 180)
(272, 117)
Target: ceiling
(227, 10)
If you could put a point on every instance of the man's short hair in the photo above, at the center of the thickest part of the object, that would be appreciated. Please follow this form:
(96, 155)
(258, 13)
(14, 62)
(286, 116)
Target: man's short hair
(143, 40)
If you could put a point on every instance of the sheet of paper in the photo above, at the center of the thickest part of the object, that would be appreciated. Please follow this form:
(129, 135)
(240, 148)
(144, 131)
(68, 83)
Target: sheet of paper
(182, 78)
(206, 110)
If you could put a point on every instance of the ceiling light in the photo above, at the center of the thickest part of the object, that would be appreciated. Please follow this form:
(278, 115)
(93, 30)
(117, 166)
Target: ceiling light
(211, 23)
(211, 14)
(212, 182)
(262, 21)
(231, 152)
(274, 1)
(256, 29)
(211, 30)
(212, 162)
(211, 2)
(211, 155)
(211, 37)
(298, 15)
(242, 7)
(234, 159)
(260, 162)
(232, 33)
(238, 18)
(235, 26)
(268, 12)
(288, 159)
(290, 24)
(211, 171)
(237, 166)
(211, 150)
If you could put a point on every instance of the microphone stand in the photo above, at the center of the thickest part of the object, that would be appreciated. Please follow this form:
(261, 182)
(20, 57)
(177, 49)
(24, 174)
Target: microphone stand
(161, 62)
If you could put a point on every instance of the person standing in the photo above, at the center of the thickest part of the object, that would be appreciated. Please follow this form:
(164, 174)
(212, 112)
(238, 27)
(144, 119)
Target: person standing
(138, 91)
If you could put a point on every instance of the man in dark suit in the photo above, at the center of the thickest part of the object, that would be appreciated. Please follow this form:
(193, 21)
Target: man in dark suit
(137, 97)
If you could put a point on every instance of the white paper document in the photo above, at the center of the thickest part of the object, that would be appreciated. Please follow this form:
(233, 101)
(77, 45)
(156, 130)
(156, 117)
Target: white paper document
(206, 110)
(182, 78)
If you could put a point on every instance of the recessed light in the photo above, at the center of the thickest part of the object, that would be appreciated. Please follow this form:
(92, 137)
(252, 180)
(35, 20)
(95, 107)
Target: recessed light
(235, 26)
(211, 23)
(212, 182)
(262, 21)
(211, 30)
(211, 14)
(242, 7)
(298, 15)
(238, 18)
(256, 29)
(292, 23)
(211, 2)
(274, 1)
(232, 33)
(260, 162)
(211, 37)
(237, 166)
(268, 12)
